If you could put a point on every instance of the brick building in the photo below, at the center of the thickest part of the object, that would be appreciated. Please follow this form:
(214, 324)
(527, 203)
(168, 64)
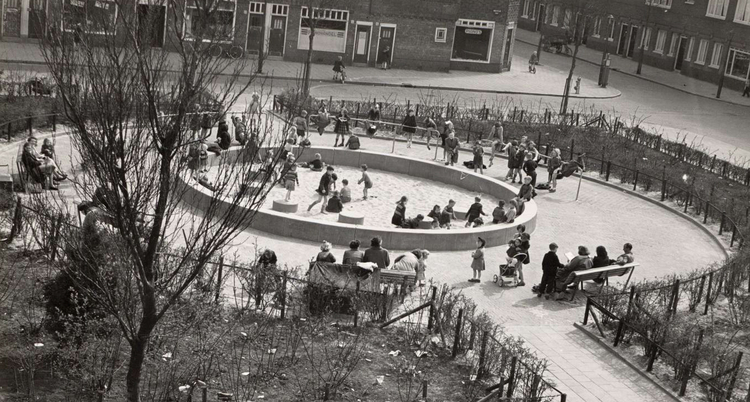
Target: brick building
(697, 38)
(423, 34)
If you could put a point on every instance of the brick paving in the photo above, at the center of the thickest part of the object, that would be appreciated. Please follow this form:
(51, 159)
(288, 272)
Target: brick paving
(663, 244)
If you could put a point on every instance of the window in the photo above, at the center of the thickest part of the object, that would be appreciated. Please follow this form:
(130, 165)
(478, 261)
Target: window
(525, 13)
(660, 3)
(533, 11)
(661, 39)
(646, 38)
(716, 56)
(717, 8)
(330, 30)
(672, 44)
(555, 15)
(472, 41)
(441, 34)
(213, 23)
(566, 19)
(611, 31)
(93, 16)
(742, 14)
(738, 64)
(689, 52)
(597, 27)
(702, 49)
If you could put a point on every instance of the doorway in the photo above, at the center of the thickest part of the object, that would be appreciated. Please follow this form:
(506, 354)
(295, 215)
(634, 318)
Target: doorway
(622, 42)
(254, 33)
(37, 13)
(12, 18)
(277, 36)
(362, 43)
(508, 44)
(151, 19)
(680, 53)
(540, 18)
(631, 41)
(385, 41)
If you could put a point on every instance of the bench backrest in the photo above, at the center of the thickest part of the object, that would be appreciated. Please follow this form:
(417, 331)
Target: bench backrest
(397, 277)
(604, 272)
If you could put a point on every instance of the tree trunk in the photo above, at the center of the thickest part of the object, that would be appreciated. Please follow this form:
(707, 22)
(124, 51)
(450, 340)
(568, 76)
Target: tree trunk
(566, 93)
(138, 347)
(308, 62)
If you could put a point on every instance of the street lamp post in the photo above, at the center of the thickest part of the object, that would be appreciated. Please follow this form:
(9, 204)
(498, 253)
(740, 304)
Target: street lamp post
(723, 65)
(610, 26)
(643, 45)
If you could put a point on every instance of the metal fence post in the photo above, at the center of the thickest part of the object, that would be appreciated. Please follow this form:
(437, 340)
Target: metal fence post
(283, 295)
(635, 181)
(457, 335)
(432, 308)
(482, 353)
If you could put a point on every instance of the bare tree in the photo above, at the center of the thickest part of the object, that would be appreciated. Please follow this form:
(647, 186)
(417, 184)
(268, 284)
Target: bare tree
(582, 13)
(130, 106)
(316, 12)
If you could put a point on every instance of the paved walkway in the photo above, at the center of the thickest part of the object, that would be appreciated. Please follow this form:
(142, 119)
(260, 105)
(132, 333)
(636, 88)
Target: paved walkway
(548, 81)
(623, 65)
(601, 216)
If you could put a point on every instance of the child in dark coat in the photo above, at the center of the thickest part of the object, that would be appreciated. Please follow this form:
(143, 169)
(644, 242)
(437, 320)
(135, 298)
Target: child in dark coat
(550, 264)
(474, 211)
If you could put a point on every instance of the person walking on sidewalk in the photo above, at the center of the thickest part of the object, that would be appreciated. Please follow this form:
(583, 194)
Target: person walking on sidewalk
(746, 92)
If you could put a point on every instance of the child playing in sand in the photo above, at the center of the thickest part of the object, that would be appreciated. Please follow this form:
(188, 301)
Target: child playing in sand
(366, 179)
(317, 164)
(474, 211)
(323, 190)
(334, 204)
(346, 192)
(291, 181)
(498, 214)
(447, 215)
(435, 215)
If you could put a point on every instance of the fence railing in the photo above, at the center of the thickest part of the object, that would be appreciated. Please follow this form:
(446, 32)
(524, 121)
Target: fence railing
(273, 290)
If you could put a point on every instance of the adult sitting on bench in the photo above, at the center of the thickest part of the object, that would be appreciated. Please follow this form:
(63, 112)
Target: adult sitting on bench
(40, 168)
(565, 276)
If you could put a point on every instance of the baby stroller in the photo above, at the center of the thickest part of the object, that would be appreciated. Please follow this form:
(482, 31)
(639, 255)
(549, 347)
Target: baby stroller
(371, 129)
(508, 273)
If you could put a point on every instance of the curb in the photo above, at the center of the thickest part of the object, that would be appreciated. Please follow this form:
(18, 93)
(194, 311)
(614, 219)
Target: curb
(383, 84)
(611, 350)
(653, 81)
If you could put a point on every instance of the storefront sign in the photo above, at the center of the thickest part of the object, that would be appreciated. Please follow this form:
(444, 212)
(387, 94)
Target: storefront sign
(473, 32)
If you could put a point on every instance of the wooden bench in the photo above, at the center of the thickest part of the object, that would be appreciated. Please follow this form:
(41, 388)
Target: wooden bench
(602, 273)
(405, 280)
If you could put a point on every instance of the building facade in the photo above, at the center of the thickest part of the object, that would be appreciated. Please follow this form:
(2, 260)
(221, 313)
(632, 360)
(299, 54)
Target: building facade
(437, 35)
(697, 38)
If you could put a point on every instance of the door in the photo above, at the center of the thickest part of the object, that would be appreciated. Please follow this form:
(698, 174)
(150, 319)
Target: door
(540, 18)
(622, 43)
(151, 23)
(12, 18)
(385, 44)
(631, 41)
(37, 18)
(276, 37)
(680, 53)
(362, 44)
(586, 29)
(254, 33)
(506, 53)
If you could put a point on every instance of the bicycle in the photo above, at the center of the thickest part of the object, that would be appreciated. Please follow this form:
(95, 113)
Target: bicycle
(235, 52)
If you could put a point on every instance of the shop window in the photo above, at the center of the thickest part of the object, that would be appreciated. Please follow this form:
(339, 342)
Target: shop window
(472, 40)
(330, 30)
(215, 23)
(93, 16)
(738, 64)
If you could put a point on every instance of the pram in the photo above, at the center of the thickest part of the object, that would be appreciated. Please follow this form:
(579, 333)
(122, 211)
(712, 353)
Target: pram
(372, 128)
(508, 273)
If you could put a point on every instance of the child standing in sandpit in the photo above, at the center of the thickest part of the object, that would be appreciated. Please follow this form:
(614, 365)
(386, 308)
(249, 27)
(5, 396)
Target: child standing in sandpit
(474, 211)
(365, 179)
(291, 181)
(447, 215)
(324, 189)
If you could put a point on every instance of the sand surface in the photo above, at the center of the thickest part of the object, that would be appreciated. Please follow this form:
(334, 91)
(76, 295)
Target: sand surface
(387, 190)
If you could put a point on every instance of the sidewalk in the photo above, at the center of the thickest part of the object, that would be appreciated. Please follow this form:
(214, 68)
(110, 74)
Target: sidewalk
(547, 82)
(671, 79)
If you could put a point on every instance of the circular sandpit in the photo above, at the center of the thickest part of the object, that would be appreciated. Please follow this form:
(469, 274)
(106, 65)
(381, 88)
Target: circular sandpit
(299, 226)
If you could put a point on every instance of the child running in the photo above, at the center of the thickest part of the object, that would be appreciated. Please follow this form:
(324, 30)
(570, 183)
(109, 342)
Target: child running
(324, 189)
(365, 179)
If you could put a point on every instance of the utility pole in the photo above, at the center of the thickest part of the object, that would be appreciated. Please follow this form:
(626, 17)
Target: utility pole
(723, 65)
(540, 21)
(262, 49)
(643, 44)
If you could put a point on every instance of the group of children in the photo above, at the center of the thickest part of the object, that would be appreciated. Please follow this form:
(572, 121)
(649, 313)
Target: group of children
(332, 199)
(444, 217)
